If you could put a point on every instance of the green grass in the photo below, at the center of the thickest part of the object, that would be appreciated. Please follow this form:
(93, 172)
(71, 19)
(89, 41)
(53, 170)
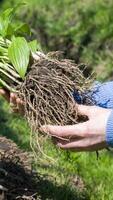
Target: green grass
(13, 126)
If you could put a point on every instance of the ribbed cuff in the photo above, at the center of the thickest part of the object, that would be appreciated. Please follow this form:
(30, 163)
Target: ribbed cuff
(109, 130)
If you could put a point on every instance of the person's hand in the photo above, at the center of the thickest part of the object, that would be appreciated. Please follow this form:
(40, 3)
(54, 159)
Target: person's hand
(86, 136)
(15, 102)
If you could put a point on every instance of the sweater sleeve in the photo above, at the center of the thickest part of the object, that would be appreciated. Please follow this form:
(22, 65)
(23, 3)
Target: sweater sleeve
(100, 93)
(109, 130)
(104, 98)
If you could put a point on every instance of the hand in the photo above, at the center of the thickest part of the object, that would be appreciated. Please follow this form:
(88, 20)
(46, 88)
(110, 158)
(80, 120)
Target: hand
(15, 102)
(86, 136)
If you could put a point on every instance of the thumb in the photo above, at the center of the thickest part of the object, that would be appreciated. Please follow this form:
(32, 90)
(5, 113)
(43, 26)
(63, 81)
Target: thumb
(86, 110)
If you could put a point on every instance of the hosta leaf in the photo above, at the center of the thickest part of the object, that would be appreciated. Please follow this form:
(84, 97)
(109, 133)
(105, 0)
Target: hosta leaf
(5, 19)
(10, 31)
(1, 26)
(23, 29)
(7, 14)
(19, 54)
(33, 46)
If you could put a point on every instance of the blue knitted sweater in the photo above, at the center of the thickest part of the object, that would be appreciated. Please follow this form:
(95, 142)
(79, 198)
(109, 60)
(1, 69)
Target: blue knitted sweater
(102, 94)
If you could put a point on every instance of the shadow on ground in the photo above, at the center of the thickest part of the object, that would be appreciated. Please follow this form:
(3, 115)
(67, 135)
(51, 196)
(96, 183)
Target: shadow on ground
(22, 184)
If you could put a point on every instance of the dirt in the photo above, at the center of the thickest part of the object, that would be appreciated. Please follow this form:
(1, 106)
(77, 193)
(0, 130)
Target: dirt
(16, 177)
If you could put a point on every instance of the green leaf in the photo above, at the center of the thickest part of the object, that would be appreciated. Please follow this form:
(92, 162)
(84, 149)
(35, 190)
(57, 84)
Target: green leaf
(7, 14)
(18, 5)
(33, 46)
(5, 19)
(23, 29)
(19, 54)
(10, 30)
(1, 26)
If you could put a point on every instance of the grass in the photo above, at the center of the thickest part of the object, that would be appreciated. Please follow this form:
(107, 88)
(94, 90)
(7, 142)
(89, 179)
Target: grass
(59, 184)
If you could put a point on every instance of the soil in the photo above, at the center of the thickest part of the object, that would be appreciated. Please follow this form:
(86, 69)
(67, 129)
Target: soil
(17, 180)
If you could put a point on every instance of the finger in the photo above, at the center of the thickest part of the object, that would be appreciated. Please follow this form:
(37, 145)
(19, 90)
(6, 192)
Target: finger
(86, 110)
(78, 130)
(63, 141)
(5, 94)
(75, 145)
(13, 99)
(87, 144)
(13, 103)
(20, 106)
